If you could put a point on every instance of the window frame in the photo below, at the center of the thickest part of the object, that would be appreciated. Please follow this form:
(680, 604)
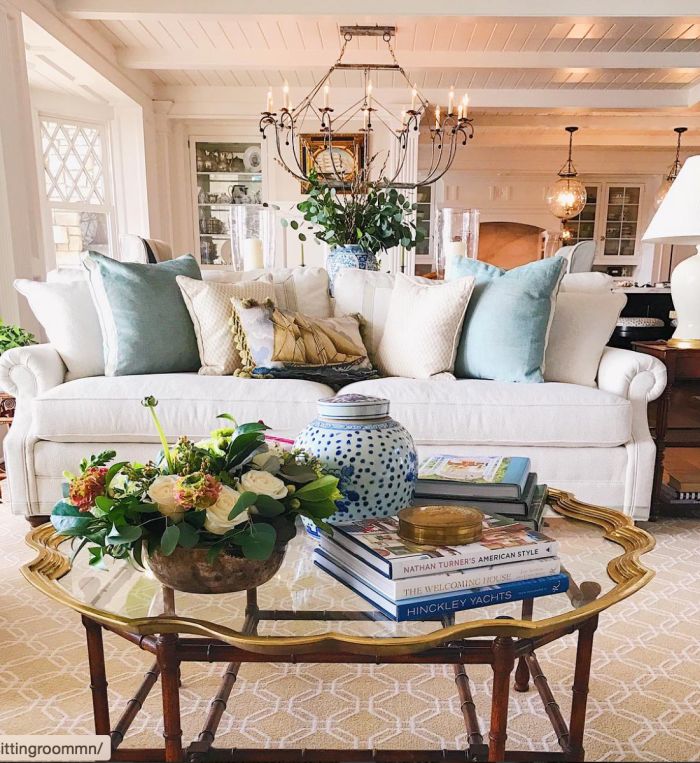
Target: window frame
(107, 207)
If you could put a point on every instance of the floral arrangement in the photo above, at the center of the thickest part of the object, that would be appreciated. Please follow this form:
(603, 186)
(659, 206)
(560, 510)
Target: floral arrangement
(232, 493)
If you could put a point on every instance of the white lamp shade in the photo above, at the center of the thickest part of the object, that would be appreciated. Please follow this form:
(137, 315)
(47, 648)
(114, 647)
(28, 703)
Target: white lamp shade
(677, 220)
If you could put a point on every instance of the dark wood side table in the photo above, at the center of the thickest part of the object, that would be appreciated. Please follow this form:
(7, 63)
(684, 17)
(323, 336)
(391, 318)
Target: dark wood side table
(677, 420)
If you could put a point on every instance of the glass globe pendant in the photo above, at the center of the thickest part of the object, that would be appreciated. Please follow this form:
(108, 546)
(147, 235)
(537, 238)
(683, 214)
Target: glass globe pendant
(673, 170)
(566, 197)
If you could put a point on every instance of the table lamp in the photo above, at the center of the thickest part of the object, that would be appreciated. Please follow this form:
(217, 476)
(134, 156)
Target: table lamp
(677, 221)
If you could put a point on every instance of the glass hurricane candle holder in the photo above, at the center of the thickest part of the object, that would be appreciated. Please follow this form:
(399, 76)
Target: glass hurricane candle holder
(458, 236)
(253, 236)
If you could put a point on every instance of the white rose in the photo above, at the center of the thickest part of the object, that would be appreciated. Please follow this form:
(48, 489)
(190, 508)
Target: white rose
(217, 520)
(264, 483)
(162, 493)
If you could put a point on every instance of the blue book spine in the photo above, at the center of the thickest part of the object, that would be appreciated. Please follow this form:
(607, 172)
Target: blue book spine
(429, 607)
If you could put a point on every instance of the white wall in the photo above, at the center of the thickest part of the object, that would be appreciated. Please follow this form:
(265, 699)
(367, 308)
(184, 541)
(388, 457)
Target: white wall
(508, 183)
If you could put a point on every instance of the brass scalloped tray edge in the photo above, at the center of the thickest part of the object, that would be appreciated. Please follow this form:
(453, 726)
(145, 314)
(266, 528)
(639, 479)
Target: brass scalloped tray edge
(626, 570)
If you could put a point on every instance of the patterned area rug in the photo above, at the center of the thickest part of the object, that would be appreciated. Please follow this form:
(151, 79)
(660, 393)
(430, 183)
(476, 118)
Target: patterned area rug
(644, 702)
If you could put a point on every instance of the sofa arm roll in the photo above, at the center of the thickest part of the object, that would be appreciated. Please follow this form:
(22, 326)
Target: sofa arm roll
(632, 375)
(27, 371)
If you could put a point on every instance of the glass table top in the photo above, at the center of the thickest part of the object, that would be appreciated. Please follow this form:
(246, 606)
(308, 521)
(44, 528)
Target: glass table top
(309, 603)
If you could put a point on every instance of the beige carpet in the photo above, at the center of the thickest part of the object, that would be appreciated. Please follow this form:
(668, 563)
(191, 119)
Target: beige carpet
(644, 702)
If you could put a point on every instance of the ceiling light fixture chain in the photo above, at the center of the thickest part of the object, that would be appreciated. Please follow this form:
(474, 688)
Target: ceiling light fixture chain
(451, 128)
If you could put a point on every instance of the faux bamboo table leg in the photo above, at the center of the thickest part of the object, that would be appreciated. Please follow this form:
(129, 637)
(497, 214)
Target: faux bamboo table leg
(522, 672)
(503, 663)
(166, 653)
(98, 675)
(582, 673)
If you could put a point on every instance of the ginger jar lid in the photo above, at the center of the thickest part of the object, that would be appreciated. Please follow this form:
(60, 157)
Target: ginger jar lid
(353, 407)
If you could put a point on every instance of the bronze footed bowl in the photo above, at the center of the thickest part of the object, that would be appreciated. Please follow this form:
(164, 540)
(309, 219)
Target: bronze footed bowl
(187, 569)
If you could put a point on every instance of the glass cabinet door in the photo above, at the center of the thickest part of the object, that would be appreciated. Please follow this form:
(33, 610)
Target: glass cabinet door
(619, 236)
(582, 227)
(226, 173)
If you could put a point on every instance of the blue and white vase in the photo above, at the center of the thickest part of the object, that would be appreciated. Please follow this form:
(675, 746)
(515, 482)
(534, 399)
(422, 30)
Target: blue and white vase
(350, 256)
(372, 455)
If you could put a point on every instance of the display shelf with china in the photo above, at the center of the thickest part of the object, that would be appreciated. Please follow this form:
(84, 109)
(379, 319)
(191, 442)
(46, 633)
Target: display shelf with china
(224, 173)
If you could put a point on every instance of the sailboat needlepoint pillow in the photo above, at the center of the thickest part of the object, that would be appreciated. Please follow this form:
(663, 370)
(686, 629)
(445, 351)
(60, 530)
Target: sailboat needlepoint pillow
(276, 343)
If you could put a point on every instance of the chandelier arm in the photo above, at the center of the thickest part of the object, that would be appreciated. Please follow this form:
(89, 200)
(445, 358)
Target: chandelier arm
(439, 169)
(451, 155)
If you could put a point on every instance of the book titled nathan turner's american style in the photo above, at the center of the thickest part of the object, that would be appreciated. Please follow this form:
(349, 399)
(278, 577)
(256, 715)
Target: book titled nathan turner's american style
(377, 542)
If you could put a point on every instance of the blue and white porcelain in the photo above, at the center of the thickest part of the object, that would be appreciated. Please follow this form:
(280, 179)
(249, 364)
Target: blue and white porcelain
(350, 256)
(372, 455)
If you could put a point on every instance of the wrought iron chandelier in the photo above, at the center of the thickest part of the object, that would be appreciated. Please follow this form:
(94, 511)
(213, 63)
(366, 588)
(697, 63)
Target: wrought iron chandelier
(315, 116)
(566, 197)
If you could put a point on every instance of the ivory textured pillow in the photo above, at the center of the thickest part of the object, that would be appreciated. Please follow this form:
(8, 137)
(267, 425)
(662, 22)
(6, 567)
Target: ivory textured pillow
(582, 325)
(209, 306)
(423, 327)
(368, 293)
(289, 345)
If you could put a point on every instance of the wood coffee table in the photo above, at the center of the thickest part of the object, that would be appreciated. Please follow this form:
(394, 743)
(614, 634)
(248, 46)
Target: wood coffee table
(303, 615)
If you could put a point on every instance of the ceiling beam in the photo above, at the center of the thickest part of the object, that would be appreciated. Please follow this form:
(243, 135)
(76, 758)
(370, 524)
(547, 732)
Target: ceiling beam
(190, 101)
(259, 59)
(134, 9)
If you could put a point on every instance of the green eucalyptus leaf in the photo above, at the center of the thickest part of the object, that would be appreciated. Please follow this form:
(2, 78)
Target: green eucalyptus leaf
(69, 520)
(123, 534)
(189, 536)
(260, 543)
(268, 507)
(169, 539)
(246, 500)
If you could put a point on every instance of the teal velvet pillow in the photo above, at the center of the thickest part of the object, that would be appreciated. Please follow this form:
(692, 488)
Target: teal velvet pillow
(146, 327)
(505, 330)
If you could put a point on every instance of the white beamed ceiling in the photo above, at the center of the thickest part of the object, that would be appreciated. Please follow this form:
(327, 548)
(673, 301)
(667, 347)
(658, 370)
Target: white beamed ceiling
(595, 57)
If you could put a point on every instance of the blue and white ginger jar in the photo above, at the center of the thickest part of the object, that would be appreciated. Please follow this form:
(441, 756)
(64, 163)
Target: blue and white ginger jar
(372, 455)
(350, 256)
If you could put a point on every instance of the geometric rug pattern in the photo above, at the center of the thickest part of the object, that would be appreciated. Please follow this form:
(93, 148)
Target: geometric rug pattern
(644, 701)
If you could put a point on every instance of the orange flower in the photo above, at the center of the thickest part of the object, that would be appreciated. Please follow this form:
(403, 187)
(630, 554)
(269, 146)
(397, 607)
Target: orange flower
(87, 487)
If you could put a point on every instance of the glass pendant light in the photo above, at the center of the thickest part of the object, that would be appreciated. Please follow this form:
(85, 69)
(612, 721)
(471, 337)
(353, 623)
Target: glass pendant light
(673, 170)
(566, 197)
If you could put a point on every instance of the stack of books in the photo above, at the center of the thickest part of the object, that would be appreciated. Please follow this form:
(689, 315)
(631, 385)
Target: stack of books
(494, 484)
(405, 581)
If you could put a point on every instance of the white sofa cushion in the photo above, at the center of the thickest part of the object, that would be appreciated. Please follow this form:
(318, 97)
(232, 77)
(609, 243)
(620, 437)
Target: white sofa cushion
(108, 409)
(582, 325)
(451, 411)
(588, 282)
(301, 289)
(367, 292)
(69, 318)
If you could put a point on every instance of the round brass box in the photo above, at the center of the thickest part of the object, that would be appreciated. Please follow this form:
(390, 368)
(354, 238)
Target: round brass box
(440, 525)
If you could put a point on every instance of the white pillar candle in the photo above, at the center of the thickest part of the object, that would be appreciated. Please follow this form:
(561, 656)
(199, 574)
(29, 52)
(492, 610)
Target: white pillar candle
(326, 91)
(269, 100)
(253, 254)
(453, 249)
(414, 98)
(451, 102)
(285, 95)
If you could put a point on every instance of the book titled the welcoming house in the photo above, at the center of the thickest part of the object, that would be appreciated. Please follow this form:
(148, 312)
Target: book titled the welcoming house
(377, 542)
(433, 607)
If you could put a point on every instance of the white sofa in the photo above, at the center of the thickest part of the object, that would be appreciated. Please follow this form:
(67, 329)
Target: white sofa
(593, 441)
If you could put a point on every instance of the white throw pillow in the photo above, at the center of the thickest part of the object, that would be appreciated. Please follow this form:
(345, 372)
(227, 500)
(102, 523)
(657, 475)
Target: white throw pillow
(66, 311)
(582, 325)
(423, 327)
(302, 289)
(368, 293)
(209, 306)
